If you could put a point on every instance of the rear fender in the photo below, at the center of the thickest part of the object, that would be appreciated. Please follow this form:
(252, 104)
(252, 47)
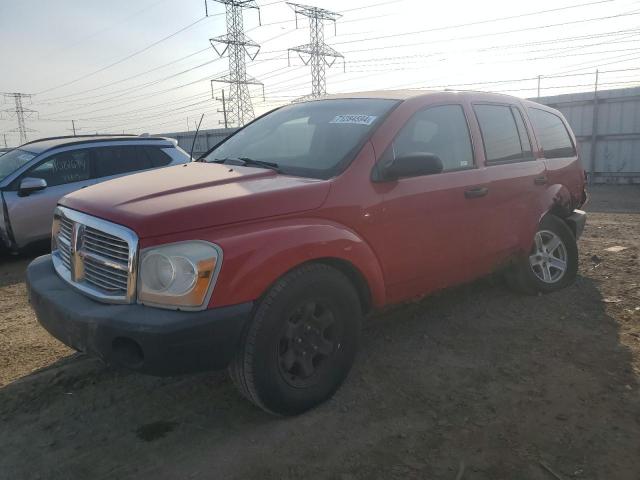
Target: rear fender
(555, 200)
(255, 259)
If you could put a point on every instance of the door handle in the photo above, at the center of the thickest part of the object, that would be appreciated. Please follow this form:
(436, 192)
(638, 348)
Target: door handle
(476, 192)
(541, 180)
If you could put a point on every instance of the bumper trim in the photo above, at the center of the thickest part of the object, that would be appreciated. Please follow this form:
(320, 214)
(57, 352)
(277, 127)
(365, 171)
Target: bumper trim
(170, 342)
(577, 221)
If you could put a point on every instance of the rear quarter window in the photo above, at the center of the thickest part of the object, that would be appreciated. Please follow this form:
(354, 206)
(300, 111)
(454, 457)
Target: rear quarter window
(552, 134)
(158, 157)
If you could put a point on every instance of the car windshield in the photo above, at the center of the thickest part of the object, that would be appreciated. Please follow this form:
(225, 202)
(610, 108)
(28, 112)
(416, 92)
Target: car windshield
(13, 160)
(312, 139)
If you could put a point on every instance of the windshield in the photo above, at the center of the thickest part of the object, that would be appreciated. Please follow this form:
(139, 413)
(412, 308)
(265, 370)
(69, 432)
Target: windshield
(312, 139)
(13, 160)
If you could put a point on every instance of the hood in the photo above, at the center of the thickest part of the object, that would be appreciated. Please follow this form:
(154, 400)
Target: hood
(196, 195)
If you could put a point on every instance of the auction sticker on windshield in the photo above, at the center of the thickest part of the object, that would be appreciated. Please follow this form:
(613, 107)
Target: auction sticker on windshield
(354, 119)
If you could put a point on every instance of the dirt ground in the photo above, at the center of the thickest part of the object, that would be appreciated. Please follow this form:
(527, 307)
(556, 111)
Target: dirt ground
(475, 383)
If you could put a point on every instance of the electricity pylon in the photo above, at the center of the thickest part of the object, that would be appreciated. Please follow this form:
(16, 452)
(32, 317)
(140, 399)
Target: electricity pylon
(318, 52)
(237, 46)
(19, 112)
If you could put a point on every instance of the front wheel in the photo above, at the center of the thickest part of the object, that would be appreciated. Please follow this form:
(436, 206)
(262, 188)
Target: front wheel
(552, 262)
(301, 343)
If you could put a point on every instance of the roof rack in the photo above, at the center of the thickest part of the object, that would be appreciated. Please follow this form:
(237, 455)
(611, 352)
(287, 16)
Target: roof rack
(62, 137)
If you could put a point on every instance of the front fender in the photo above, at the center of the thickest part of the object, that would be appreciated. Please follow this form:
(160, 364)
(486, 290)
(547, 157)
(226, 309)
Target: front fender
(256, 256)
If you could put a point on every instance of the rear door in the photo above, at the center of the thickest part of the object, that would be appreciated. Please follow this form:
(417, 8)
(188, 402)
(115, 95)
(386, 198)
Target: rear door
(559, 151)
(518, 179)
(30, 216)
(117, 160)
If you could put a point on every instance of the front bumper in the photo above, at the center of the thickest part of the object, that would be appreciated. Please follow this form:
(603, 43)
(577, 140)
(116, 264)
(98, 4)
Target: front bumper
(146, 339)
(577, 221)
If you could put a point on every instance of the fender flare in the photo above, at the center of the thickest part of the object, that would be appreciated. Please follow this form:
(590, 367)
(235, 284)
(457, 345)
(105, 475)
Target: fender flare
(557, 201)
(255, 258)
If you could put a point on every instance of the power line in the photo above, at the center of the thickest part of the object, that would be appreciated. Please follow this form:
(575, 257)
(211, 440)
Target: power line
(117, 62)
(54, 99)
(103, 30)
(492, 20)
(472, 37)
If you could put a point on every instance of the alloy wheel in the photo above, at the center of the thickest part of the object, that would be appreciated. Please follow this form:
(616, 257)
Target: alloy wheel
(548, 257)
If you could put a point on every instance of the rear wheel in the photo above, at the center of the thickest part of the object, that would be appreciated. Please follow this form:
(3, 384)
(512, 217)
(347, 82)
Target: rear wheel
(552, 262)
(301, 342)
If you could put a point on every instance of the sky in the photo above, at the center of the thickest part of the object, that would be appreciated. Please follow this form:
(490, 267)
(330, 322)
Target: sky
(146, 65)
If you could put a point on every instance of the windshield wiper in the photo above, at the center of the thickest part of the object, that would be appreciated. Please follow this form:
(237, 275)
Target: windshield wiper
(249, 162)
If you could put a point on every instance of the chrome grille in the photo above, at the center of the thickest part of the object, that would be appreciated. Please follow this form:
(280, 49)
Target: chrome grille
(105, 277)
(104, 244)
(95, 256)
(64, 241)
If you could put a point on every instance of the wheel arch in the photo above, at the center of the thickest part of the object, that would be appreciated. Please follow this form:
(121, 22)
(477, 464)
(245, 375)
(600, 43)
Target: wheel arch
(277, 251)
(557, 201)
(354, 275)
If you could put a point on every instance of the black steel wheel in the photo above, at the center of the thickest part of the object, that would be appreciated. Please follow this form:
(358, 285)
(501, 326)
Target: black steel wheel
(302, 341)
(310, 338)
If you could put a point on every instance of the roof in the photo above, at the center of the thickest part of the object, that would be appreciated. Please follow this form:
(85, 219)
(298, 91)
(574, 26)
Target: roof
(407, 94)
(383, 94)
(43, 144)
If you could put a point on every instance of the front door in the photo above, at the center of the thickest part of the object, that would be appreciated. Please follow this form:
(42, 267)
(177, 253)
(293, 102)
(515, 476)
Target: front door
(434, 225)
(30, 216)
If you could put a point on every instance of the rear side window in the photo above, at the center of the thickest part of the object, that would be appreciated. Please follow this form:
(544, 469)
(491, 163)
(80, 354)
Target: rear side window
(503, 132)
(552, 133)
(439, 130)
(120, 159)
(61, 168)
(157, 156)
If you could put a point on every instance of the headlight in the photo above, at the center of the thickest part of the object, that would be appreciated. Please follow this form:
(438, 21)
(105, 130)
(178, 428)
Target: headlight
(179, 275)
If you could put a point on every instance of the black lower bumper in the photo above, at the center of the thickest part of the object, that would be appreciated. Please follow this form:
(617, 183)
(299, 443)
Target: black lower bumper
(150, 340)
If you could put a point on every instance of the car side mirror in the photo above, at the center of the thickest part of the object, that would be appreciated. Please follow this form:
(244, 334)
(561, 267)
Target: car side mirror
(411, 165)
(29, 185)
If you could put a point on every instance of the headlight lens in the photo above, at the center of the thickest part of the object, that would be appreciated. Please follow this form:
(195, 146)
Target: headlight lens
(179, 275)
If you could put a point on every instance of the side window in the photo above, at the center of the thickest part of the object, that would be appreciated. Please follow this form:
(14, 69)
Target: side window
(120, 159)
(61, 168)
(442, 131)
(157, 156)
(503, 139)
(552, 133)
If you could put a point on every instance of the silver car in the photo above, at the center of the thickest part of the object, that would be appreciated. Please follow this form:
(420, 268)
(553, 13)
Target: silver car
(35, 175)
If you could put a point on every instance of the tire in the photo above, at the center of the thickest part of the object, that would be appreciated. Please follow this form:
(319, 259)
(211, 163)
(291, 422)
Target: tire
(301, 342)
(529, 274)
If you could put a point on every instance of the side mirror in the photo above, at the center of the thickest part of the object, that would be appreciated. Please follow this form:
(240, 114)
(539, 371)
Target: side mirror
(29, 185)
(411, 165)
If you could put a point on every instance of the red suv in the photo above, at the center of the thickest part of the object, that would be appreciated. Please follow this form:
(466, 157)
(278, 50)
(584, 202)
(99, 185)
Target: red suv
(265, 255)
